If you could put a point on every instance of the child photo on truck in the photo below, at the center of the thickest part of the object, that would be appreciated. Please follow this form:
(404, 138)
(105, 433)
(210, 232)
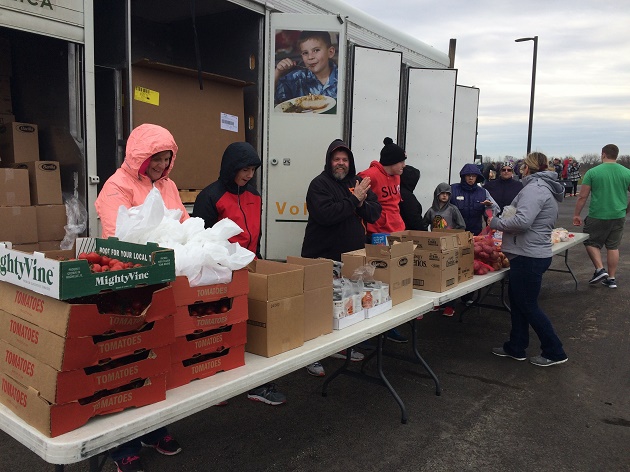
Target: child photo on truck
(306, 70)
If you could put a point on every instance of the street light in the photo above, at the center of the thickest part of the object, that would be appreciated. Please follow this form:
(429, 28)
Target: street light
(531, 100)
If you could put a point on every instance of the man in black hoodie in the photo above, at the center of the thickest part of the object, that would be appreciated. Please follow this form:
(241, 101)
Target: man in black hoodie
(410, 207)
(339, 205)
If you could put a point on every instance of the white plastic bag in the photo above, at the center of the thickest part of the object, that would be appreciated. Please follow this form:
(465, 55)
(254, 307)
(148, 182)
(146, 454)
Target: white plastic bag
(134, 224)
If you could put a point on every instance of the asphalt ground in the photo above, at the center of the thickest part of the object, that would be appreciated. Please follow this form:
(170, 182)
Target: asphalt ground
(494, 414)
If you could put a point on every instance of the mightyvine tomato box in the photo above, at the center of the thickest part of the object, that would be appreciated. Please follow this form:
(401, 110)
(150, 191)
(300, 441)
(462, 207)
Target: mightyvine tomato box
(55, 419)
(76, 353)
(213, 340)
(186, 295)
(200, 367)
(109, 312)
(73, 278)
(67, 386)
(210, 315)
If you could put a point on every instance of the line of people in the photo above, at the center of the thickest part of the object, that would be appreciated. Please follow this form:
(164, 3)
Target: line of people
(345, 208)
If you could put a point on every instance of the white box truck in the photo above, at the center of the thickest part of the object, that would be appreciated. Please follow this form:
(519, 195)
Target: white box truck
(81, 69)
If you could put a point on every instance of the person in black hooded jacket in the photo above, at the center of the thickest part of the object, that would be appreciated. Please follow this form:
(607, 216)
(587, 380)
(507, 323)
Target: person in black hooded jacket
(339, 205)
(410, 207)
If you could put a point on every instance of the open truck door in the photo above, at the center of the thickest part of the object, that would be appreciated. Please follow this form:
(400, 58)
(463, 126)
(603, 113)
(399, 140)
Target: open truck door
(464, 130)
(429, 130)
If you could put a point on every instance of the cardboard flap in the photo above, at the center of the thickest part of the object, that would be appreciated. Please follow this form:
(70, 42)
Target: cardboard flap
(397, 248)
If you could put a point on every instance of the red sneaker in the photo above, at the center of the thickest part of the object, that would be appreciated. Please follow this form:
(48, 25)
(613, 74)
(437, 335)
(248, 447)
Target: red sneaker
(448, 311)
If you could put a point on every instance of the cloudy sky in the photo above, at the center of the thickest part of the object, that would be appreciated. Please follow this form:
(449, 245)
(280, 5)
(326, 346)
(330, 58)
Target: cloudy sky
(582, 96)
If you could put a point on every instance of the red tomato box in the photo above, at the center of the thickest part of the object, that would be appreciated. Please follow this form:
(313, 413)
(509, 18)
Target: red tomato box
(200, 367)
(214, 340)
(203, 316)
(186, 295)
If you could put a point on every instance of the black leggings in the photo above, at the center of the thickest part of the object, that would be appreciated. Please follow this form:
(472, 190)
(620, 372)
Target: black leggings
(574, 182)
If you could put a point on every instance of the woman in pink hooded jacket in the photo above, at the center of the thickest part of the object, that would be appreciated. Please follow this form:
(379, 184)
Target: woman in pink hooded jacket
(149, 159)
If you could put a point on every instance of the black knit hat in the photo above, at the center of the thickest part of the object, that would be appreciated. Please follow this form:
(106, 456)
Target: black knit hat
(391, 153)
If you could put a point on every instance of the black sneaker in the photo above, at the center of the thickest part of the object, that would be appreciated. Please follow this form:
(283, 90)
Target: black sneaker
(499, 351)
(610, 283)
(130, 464)
(395, 336)
(267, 394)
(167, 446)
(598, 275)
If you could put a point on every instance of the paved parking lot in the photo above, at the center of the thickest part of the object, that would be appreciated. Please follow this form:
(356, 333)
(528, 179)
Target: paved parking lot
(494, 414)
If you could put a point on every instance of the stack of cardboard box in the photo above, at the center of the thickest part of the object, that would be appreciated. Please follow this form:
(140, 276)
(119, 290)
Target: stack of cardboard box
(210, 328)
(465, 253)
(276, 307)
(74, 343)
(435, 259)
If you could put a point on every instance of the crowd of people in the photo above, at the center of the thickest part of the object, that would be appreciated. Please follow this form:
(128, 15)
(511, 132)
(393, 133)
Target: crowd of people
(346, 207)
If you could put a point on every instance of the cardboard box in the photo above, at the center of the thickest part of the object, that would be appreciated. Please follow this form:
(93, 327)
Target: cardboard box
(466, 254)
(18, 143)
(203, 122)
(318, 312)
(76, 353)
(269, 280)
(63, 387)
(29, 247)
(45, 181)
(94, 315)
(44, 246)
(200, 367)
(394, 266)
(19, 226)
(202, 316)
(54, 420)
(214, 340)
(435, 271)
(318, 273)
(186, 295)
(14, 189)
(378, 309)
(51, 222)
(352, 260)
(71, 279)
(275, 326)
(341, 323)
(427, 240)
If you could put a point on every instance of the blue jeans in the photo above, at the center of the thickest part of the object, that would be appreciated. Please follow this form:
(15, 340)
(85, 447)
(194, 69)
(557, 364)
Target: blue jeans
(525, 282)
(132, 448)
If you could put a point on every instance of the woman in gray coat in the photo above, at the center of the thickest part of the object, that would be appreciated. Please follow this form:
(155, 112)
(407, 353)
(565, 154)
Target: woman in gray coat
(527, 244)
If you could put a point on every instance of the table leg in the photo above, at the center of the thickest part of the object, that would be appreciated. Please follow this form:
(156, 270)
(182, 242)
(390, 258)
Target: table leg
(478, 301)
(569, 270)
(414, 347)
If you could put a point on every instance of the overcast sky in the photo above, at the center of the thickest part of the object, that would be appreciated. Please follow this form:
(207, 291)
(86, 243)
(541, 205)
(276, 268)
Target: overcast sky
(582, 96)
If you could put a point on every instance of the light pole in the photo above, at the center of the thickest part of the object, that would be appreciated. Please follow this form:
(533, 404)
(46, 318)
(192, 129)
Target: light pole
(531, 100)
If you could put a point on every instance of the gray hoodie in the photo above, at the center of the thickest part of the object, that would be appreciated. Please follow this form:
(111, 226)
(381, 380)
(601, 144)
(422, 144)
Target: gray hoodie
(443, 215)
(528, 232)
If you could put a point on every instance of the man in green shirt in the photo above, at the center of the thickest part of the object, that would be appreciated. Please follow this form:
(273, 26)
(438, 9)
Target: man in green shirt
(608, 185)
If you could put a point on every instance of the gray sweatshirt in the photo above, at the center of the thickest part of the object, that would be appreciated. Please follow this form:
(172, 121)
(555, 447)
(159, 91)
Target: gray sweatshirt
(443, 215)
(528, 232)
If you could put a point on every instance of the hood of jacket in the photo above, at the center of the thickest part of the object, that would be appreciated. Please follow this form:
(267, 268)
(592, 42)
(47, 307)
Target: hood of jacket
(549, 179)
(143, 142)
(469, 169)
(335, 145)
(236, 157)
(409, 178)
(441, 188)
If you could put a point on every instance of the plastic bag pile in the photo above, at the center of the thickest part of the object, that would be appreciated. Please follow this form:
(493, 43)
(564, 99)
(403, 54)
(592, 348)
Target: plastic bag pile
(204, 256)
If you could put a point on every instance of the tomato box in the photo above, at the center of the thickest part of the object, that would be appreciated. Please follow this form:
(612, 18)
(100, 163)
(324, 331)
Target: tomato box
(67, 386)
(108, 312)
(54, 420)
(200, 367)
(76, 353)
(74, 278)
(214, 340)
(186, 295)
(202, 316)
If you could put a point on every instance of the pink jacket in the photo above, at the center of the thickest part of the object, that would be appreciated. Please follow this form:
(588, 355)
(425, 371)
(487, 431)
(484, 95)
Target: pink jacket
(129, 187)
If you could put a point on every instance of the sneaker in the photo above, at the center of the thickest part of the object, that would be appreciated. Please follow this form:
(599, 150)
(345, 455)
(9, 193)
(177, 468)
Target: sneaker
(267, 394)
(129, 464)
(610, 283)
(544, 362)
(223, 403)
(316, 369)
(470, 302)
(167, 446)
(420, 317)
(355, 356)
(395, 336)
(598, 275)
(499, 351)
(448, 311)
